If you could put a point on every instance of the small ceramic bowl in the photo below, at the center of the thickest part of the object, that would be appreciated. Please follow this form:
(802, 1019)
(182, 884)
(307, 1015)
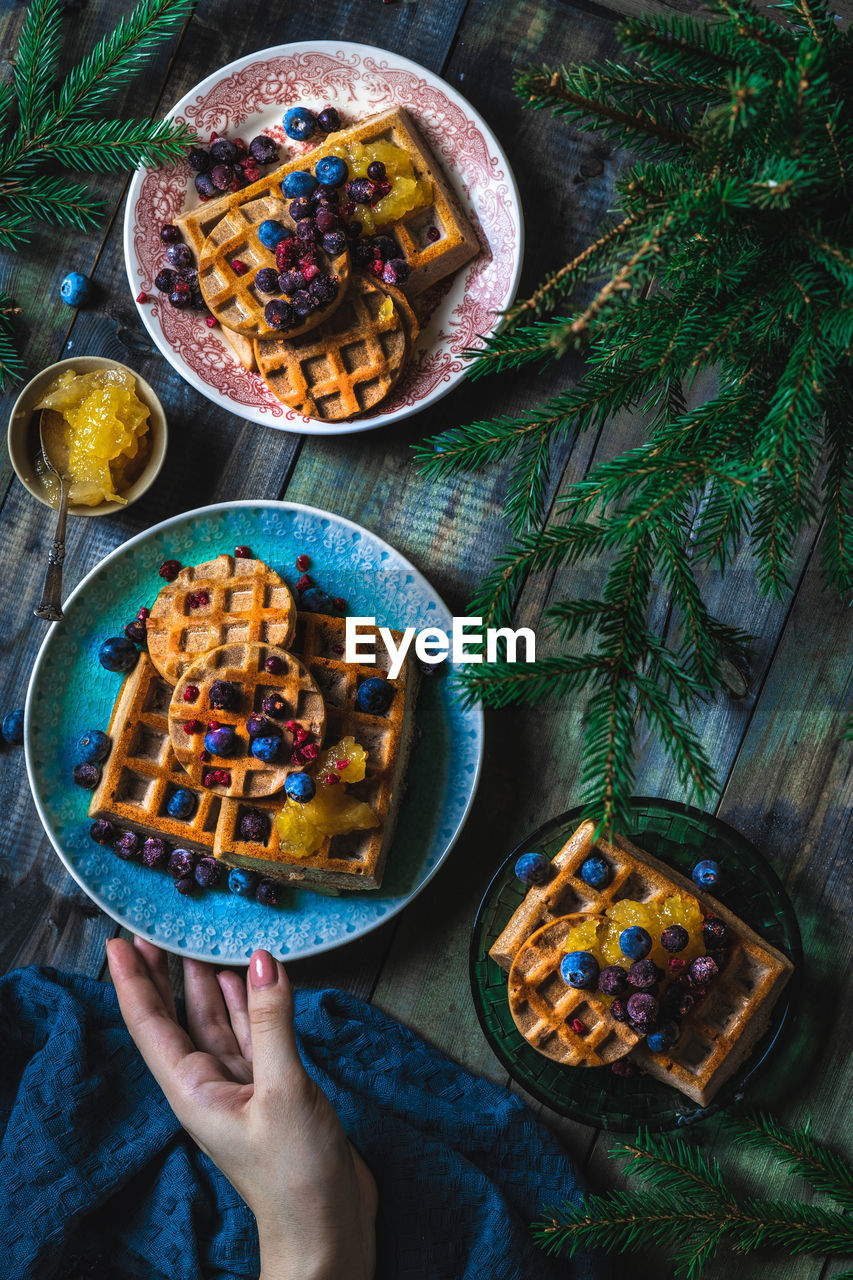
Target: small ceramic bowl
(23, 435)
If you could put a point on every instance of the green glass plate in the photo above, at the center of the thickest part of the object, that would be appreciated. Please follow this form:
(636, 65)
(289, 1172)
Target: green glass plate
(680, 836)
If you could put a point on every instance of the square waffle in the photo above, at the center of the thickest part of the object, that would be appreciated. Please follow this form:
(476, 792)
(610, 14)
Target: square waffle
(356, 860)
(142, 770)
(429, 259)
(720, 1032)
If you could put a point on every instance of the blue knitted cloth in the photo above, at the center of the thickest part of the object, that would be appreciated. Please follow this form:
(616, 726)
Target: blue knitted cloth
(98, 1178)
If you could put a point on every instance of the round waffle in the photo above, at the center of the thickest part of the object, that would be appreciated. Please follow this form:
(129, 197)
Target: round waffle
(232, 296)
(348, 364)
(246, 601)
(543, 1005)
(243, 666)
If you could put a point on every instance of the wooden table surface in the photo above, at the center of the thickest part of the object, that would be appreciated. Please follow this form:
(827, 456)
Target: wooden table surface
(785, 776)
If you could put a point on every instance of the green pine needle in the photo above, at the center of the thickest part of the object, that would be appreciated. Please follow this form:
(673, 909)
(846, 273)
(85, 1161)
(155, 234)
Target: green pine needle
(37, 58)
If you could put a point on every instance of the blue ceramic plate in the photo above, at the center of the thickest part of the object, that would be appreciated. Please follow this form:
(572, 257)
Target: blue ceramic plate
(70, 692)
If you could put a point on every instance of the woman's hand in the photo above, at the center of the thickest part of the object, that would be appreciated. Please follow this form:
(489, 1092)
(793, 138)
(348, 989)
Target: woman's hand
(237, 1085)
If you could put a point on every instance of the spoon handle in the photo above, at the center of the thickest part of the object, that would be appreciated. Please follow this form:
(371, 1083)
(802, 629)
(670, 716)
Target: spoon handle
(51, 597)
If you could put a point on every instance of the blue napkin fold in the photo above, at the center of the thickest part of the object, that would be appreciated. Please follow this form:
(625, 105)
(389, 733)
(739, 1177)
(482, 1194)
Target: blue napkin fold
(95, 1171)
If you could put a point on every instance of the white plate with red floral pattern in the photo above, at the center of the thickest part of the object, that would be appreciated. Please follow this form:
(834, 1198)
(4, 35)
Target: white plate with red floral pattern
(249, 97)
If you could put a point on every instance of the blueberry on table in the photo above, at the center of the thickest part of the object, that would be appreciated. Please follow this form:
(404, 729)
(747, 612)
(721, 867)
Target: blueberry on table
(706, 873)
(13, 727)
(267, 749)
(182, 803)
(242, 882)
(580, 969)
(135, 631)
(182, 863)
(76, 289)
(254, 825)
(300, 787)
(298, 183)
(596, 872)
(222, 151)
(221, 741)
(530, 868)
(374, 695)
(170, 234)
(118, 654)
(299, 123)
(635, 942)
(92, 746)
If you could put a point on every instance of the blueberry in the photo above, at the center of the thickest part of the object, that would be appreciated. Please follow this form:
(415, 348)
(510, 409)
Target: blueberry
(267, 892)
(87, 776)
(180, 255)
(619, 1010)
(326, 219)
(715, 933)
(353, 230)
(223, 178)
(316, 601)
(530, 868)
(254, 825)
(278, 314)
(199, 159)
(242, 882)
(596, 872)
(303, 302)
(221, 741)
(267, 280)
(182, 863)
(362, 254)
(13, 727)
(676, 1002)
(613, 980)
(299, 123)
(374, 696)
(92, 746)
(360, 190)
(118, 654)
(155, 853)
(706, 873)
(635, 942)
(663, 1037)
(135, 631)
(674, 938)
(165, 280)
(291, 280)
(224, 695)
(271, 231)
(376, 171)
(306, 229)
(266, 749)
(274, 705)
(170, 234)
(204, 186)
(263, 149)
(703, 970)
(580, 969)
(76, 289)
(185, 885)
(300, 786)
(642, 1011)
(386, 247)
(331, 171)
(299, 209)
(259, 727)
(298, 183)
(207, 872)
(127, 845)
(395, 271)
(223, 152)
(329, 120)
(323, 288)
(103, 832)
(180, 299)
(334, 243)
(643, 975)
(182, 803)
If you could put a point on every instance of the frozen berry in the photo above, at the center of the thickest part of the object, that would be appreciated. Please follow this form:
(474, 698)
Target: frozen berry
(224, 695)
(303, 303)
(266, 749)
(199, 159)
(92, 746)
(674, 937)
(613, 980)
(103, 832)
(180, 255)
(223, 177)
(165, 280)
(663, 1037)
(182, 803)
(622, 1067)
(267, 892)
(433, 234)
(353, 229)
(715, 933)
(634, 942)
(331, 171)
(703, 970)
(259, 727)
(316, 601)
(204, 187)
(207, 872)
(254, 825)
(531, 868)
(278, 314)
(127, 845)
(580, 969)
(676, 1002)
(706, 873)
(395, 271)
(118, 654)
(186, 885)
(298, 184)
(169, 570)
(180, 298)
(306, 229)
(274, 705)
(155, 853)
(76, 289)
(329, 120)
(243, 553)
(643, 975)
(326, 220)
(385, 248)
(360, 190)
(376, 171)
(642, 1011)
(299, 123)
(267, 280)
(135, 631)
(263, 149)
(362, 254)
(242, 882)
(324, 288)
(374, 696)
(274, 665)
(170, 234)
(222, 741)
(223, 151)
(182, 862)
(619, 1010)
(300, 208)
(300, 787)
(596, 872)
(291, 280)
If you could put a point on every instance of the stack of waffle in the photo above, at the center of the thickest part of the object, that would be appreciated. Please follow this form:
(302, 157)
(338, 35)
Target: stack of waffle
(357, 352)
(717, 1034)
(152, 756)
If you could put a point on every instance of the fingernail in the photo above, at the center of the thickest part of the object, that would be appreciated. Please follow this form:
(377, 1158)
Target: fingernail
(263, 970)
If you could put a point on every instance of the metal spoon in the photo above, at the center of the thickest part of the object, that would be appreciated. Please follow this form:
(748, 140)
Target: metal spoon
(51, 598)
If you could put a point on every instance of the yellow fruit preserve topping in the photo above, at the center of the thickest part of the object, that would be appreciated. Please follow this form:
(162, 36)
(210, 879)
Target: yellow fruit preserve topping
(408, 192)
(601, 937)
(97, 435)
(302, 827)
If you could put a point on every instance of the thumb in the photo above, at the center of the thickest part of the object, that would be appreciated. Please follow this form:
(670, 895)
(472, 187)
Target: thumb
(270, 1002)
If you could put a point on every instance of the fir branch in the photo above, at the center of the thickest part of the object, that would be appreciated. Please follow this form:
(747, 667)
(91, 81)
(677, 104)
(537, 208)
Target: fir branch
(798, 1151)
(617, 1223)
(670, 1162)
(37, 58)
(69, 204)
(11, 364)
(109, 146)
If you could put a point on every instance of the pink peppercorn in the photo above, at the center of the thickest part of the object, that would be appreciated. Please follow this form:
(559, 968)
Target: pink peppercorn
(301, 734)
(204, 756)
(296, 756)
(291, 726)
(223, 777)
(302, 563)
